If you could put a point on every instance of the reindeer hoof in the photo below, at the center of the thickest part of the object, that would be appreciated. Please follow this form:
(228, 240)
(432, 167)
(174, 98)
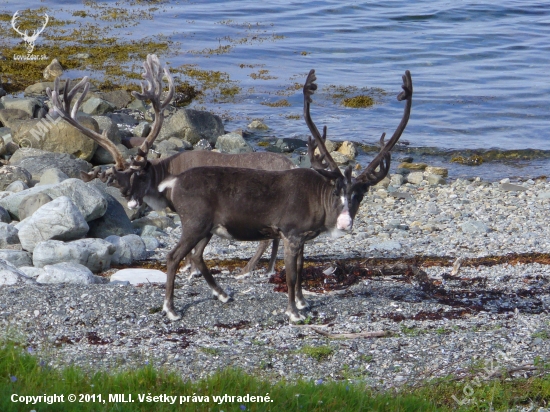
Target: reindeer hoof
(170, 312)
(302, 304)
(222, 297)
(295, 317)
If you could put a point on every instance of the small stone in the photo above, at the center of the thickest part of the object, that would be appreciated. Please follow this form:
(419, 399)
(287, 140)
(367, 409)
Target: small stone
(509, 187)
(202, 144)
(415, 177)
(436, 180)
(258, 124)
(348, 149)
(413, 166)
(441, 171)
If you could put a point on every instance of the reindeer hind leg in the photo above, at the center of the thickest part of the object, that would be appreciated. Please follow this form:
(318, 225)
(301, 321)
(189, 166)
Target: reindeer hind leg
(301, 303)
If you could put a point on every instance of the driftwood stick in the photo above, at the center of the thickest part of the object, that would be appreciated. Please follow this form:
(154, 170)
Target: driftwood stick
(374, 334)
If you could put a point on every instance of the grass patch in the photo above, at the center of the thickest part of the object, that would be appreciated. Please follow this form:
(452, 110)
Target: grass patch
(23, 373)
(319, 353)
(211, 351)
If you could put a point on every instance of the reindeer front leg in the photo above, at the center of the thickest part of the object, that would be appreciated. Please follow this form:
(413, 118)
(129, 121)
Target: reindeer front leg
(182, 249)
(292, 253)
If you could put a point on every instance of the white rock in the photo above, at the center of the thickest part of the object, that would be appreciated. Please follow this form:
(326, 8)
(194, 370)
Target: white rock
(10, 275)
(137, 276)
(58, 219)
(129, 248)
(67, 272)
(95, 254)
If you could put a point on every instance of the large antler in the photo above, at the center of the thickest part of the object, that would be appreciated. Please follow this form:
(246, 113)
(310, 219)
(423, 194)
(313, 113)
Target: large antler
(382, 161)
(63, 107)
(323, 161)
(151, 90)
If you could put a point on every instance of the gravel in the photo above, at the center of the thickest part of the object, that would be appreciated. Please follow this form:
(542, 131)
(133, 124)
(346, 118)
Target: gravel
(438, 323)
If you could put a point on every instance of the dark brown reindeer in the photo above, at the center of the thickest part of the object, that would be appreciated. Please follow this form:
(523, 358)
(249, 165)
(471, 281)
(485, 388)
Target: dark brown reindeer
(152, 172)
(294, 205)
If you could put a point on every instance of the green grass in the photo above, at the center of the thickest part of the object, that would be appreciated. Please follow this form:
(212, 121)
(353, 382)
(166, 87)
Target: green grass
(319, 353)
(26, 374)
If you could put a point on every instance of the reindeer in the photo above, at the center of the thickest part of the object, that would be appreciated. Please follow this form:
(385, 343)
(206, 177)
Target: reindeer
(29, 40)
(153, 172)
(294, 205)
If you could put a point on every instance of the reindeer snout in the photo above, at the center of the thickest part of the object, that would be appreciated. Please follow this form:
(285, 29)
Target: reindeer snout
(344, 222)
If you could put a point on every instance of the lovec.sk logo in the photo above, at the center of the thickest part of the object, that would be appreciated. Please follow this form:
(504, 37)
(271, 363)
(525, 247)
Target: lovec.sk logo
(29, 40)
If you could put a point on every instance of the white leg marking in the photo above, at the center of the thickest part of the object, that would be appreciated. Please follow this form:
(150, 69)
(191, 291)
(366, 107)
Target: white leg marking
(221, 298)
(169, 312)
(302, 304)
(294, 318)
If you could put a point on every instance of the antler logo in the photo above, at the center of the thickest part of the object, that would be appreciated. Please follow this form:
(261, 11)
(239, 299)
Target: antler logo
(28, 39)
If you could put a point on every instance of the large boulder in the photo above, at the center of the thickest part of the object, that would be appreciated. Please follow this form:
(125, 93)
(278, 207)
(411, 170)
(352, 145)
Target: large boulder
(10, 174)
(38, 161)
(10, 275)
(128, 249)
(29, 105)
(192, 126)
(233, 143)
(113, 222)
(12, 117)
(59, 219)
(115, 193)
(68, 272)
(137, 276)
(95, 254)
(17, 258)
(56, 135)
(31, 204)
(86, 197)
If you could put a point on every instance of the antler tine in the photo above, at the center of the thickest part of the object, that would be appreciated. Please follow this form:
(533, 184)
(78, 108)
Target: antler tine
(63, 108)
(151, 89)
(309, 89)
(383, 158)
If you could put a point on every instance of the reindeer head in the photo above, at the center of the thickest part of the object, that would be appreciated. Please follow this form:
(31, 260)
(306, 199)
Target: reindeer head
(348, 191)
(123, 174)
(28, 39)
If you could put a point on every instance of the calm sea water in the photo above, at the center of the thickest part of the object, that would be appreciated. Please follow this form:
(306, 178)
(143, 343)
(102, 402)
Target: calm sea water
(479, 68)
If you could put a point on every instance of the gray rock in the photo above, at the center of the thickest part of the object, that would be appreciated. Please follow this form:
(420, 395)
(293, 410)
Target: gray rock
(202, 144)
(41, 87)
(58, 136)
(105, 123)
(95, 254)
(87, 198)
(118, 98)
(4, 215)
(59, 219)
(544, 195)
(11, 118)
(29, 105)
(97, 106)
(192, 125)
(67, 272)
(137, 105)
(17, 186)
(114, 222)
(165, 147)
(36, 165)
(123, 118)
(17, 258)
(435, 170)
(258, 125)
(415, 177)
(142, 129)
(52, 176)
(8, 235)
(151, 243)
(103, 157)
(348, 149)
(10, 174)
(509, 187)
(288, 145)
(434, 179)
(233, 143)
(181, 144)
(128, 249)
(115, 193)
(474, 226)
(31, 271)
(397, 180)
(340, 158)
(53, 70)
(160, 222)
(384, 183)
(31, 204)
(10, 275)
